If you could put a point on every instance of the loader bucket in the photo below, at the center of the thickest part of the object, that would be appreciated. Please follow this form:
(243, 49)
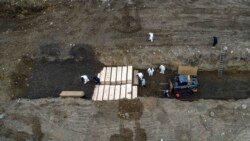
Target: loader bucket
(187, 70)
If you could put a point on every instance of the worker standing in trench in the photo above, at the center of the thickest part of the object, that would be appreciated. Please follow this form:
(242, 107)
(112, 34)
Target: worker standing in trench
(84, 79)
(150, 71)
(143, 82)
(96, 80)
(141, 79)
(140, 75)
(166, 93)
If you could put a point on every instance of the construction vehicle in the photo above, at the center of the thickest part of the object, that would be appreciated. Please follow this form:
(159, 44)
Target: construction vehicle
(185, 82)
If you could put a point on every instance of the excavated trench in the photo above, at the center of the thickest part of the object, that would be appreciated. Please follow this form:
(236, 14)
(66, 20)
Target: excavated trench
(48, 75)
(233, 85)
(44, 78)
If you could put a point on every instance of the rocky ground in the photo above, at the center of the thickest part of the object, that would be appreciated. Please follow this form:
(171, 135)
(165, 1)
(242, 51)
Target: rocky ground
(45, 45)
(138, 120)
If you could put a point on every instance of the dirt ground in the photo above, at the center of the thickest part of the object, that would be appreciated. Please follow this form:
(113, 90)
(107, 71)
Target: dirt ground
(143, 119)
(117, 33)
(45, 45)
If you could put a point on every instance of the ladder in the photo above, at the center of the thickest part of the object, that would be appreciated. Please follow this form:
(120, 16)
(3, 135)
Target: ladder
(221, 62)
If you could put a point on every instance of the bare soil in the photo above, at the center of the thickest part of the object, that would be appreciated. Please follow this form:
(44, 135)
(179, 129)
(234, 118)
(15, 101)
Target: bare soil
(46, 45)
(117, 31)
(130, 109)
(74, 119)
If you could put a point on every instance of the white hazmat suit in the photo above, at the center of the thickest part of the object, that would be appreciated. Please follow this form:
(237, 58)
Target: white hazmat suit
(151, 36)
(162, 69)
(143, 82)
(140, 75)
(150, 71)
(85, 78)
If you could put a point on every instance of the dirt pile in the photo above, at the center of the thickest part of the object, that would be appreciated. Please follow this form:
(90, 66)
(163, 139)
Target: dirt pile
(21, 9)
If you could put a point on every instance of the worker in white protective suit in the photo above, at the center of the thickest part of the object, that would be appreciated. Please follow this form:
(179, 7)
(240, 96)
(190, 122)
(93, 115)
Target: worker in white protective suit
(151, 36)
(143, 82)
(140, 75)
(85, 78)
(150, 71)
(162, 69)
(166, 93)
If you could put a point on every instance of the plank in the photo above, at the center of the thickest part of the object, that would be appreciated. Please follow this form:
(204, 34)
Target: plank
(123, 92)
(124, 74)
(72, 94)
(106, 92)
(113, 75)
(108, 76)
(117, 92)
(129, 91)
(100, 93)
(119, 75)
(112, 92)
(135, 92)
(102, 77)
(135, 82)
(95, 93)
(130, 74)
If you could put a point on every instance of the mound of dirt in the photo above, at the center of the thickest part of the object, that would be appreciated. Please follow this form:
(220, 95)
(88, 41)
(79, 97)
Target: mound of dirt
(19, 9)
